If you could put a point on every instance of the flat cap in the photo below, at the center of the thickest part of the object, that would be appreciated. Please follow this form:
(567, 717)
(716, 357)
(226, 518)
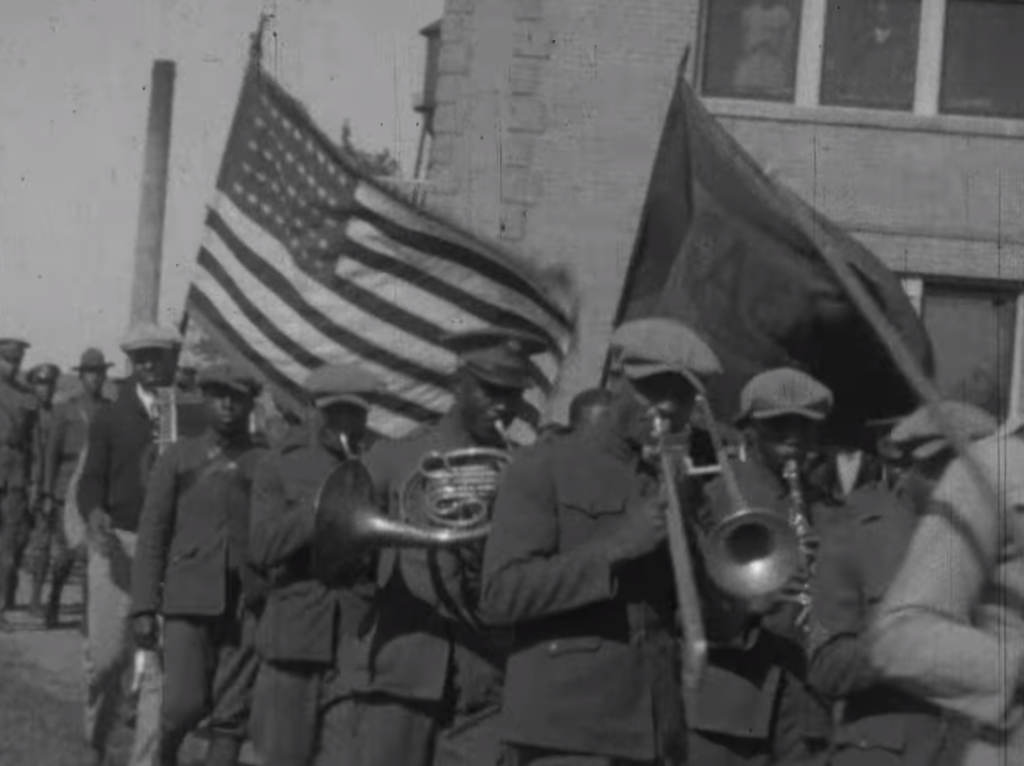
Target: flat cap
(657, 345)
(498, 356)
(920, 435)
(13, 349)
(336, 383)
(149, 335)
(231, 376)
(44, 373)
(781, 392)
(92, 359)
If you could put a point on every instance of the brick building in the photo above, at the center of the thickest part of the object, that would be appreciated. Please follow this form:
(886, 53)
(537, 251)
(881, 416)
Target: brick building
(900, 119)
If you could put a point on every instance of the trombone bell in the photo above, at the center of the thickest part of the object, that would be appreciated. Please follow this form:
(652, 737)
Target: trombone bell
(751, 554)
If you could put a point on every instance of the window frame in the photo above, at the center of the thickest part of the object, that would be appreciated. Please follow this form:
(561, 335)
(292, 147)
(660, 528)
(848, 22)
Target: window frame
(914, 286)
(810, 63)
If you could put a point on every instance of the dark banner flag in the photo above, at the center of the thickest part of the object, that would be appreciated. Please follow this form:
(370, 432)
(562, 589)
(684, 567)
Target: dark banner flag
(724, 249)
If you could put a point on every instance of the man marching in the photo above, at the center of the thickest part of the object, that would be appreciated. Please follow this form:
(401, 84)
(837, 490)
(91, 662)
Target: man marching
(191, 569)
(303, 710)
(436, 673)
(576, 563)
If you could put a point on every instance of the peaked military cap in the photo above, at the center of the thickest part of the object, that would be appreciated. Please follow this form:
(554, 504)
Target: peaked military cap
(921, 436)
(498, 356)
(13, 349)
(230, 376)
(44, 373)
(658, 345)
(784, 391)
(148, 335)
(336, 383)
(92, 359)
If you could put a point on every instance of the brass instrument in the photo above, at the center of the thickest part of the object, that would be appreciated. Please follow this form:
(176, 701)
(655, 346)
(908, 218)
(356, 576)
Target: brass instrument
(695, 645)
(807, 540)
(446, 503)
(750, 553)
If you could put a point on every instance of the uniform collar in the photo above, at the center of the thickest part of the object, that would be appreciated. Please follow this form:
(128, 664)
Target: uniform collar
(611, 440)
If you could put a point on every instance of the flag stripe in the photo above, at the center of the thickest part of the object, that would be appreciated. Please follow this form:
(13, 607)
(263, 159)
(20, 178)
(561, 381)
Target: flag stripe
(459, 255)
(276, 283)
(303, 358)
(203, 309)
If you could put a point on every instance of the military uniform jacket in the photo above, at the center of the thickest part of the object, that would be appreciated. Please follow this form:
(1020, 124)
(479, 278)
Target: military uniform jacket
(302, 616)
(740, 690)
(69, 430)
(858, 559)
(581, 677)
(192, 550)
(426, 639)
(18, 412)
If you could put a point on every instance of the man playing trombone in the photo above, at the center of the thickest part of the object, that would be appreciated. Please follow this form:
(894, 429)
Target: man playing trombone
(576, 561)
(754, 706)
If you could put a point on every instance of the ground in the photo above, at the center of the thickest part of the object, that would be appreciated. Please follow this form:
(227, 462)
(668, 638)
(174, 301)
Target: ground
(41, 691)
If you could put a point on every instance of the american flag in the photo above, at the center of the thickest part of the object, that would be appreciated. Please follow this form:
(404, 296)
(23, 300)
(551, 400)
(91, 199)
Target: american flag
(305, 262)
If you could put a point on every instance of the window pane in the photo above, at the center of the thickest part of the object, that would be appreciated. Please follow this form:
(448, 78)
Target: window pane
(750, 49)
(972, 331)
(870, 53)
(983, 57)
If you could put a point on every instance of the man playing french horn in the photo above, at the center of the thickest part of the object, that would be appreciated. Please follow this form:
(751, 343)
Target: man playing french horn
(435, 670)
(576, 561)
(754, 707)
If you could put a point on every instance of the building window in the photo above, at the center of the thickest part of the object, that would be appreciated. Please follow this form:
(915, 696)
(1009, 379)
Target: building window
(972, 331)
(751, 49)
(870, 53)
(983, 58)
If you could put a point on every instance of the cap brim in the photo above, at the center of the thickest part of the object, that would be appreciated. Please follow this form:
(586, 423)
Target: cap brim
(781, 412)
(502, 379)
(639, 371)
(92, 367)
(322, 402)
(239, 388)
(162, 345)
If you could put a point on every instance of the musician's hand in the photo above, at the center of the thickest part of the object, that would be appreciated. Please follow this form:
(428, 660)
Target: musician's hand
(145, 632)
(642, 532)
(100, 531)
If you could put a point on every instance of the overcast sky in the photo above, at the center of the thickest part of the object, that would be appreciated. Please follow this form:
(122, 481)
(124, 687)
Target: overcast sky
(72, 125)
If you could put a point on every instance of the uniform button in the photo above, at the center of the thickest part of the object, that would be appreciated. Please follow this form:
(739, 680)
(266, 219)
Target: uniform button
(553, 646)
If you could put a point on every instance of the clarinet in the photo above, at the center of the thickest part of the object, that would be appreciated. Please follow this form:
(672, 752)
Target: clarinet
(808, 541)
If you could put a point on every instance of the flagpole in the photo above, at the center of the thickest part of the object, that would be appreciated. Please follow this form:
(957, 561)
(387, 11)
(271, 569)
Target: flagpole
(883, 329)
(634, 259)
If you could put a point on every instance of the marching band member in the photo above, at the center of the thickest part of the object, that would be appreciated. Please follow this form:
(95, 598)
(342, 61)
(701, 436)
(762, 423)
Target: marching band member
(753, 706)
(111, 491)
(858, 559)
(307, 635)
(435, 688)
(576, 564)
(950, 630)
(191, 569)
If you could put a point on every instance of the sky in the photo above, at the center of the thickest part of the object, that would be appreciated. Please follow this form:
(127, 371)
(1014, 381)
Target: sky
(74, 78)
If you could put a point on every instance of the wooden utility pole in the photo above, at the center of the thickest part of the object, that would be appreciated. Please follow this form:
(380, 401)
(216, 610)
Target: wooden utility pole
(150, 233)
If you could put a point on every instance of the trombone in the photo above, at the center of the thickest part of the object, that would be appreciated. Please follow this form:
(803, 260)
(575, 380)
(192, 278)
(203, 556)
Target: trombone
(748, 553)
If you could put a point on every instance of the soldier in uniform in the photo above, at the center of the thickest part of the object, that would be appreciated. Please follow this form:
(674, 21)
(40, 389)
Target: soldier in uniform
(950, 629)
(434, 694)
(43, 380)
(754, 706)
(858, 558)
(62, 460)
(303, 710)
(576, 564)
(191, 569)
(120, 452)
(18, 412)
